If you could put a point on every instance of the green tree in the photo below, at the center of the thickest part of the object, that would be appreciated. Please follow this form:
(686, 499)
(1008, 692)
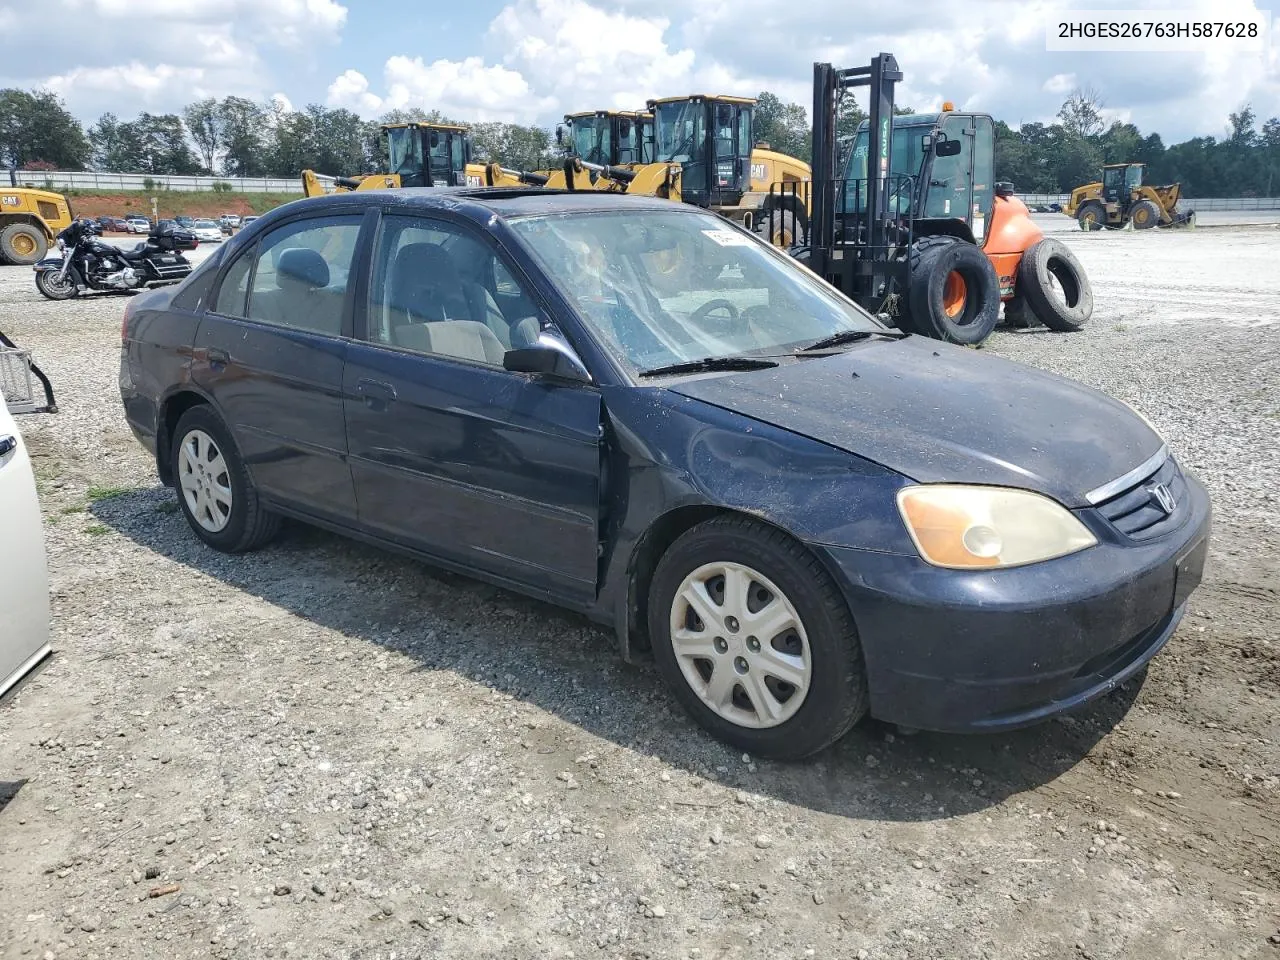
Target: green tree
(783, 126)
(514, 146)
(207, 128)
(161, 144)
(1081, 114)
(244, 137)
(113, 149)
(35, 126)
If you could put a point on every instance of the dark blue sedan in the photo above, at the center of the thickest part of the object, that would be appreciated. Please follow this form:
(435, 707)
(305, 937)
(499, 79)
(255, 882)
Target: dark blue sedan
(636, 409)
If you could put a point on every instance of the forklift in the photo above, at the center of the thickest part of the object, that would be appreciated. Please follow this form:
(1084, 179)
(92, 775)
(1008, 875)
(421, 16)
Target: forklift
(908, 222)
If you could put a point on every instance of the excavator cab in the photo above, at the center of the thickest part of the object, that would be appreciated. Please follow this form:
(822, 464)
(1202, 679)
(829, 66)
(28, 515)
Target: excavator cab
(608, 137)
(428, 154)
(711, 138)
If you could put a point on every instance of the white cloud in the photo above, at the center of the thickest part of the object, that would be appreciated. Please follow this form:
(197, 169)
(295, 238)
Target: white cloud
(1060, 83)
(351, 90)
(137, 82)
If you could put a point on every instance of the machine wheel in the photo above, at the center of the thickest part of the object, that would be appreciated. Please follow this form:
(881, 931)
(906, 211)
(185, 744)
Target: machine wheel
(1054, 286)
(22, 244)
(47, 283)
(215, 491)
(1018, 315)
(783, 229)
(1092, 216)
(953, 292)
(1144, 215)
(755, 640)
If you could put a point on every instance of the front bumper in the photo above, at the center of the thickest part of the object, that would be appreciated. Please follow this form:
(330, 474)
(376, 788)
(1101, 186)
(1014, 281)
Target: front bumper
(976, 651)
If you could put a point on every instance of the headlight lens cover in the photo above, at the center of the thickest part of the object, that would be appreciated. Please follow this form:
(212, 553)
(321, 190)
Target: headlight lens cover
(964, 527)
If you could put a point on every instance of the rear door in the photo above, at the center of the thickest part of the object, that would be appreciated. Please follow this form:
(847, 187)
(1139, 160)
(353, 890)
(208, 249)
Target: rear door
(271, 352)
(451, 453)
(24, 580)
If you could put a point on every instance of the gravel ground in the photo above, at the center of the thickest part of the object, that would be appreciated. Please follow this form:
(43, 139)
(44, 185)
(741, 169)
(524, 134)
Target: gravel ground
(322, 750)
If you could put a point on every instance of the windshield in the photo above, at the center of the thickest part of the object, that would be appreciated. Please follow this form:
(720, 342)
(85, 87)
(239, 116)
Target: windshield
(404, 144)
(1133, 177)
(680, 130)
(660, 287)
(209, 224)
(907, 157)
(591, 139)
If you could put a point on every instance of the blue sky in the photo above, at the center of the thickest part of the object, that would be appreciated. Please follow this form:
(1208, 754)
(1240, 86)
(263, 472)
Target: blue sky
(532, 60)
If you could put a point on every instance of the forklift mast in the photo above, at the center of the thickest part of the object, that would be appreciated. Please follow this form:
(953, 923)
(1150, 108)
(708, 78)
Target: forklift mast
(860, 269)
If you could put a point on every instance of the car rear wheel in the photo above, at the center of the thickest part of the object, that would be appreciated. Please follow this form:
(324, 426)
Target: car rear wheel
(215, 491)
(755, 640)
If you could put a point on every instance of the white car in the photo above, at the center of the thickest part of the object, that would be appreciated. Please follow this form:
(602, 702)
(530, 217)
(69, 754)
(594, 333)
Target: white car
(138, 224)
(230, 219)
(206, 231)
(24, 577)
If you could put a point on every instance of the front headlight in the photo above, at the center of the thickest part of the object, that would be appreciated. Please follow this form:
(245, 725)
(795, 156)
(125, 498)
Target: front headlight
(976, 527)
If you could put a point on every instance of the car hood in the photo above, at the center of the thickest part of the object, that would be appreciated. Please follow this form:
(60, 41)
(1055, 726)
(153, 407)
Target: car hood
(943, 414)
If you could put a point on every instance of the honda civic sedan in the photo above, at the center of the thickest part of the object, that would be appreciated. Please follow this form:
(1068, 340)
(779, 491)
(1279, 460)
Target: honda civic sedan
(637, 410)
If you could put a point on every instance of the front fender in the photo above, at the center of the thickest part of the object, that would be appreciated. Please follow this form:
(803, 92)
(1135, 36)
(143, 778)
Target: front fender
(48, 264)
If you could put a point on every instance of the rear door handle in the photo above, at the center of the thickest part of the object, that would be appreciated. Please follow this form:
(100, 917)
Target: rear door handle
(8, 445)
(378, 394)
(218, 358)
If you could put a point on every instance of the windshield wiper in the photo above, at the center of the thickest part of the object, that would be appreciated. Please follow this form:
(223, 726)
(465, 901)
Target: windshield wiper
(848, 336)
(711, 363)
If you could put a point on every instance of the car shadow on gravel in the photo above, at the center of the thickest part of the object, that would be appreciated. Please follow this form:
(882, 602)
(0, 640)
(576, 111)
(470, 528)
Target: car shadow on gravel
(563, 664)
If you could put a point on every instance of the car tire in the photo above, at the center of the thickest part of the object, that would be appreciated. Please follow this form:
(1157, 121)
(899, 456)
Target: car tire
(953, 292)
(215, 492)
(21, 244)
(1055, 286)
(816, 644)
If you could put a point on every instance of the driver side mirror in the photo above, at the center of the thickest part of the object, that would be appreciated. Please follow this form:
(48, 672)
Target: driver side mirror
(549, 356)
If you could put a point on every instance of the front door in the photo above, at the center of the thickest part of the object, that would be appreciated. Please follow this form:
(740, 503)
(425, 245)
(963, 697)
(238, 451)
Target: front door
(450, 453)
(270, 353)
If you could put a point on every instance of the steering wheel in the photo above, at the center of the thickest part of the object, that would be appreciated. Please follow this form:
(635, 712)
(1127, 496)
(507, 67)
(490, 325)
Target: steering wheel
(712, 305)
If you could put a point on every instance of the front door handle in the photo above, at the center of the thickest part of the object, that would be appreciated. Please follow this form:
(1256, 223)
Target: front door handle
(218, 358)
(377, 394)
(8, 445)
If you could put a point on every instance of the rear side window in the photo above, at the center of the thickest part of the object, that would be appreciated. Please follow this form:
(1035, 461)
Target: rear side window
(231, 295)
(296, 276)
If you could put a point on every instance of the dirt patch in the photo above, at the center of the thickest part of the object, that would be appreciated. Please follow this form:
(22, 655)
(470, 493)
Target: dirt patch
(177, 203)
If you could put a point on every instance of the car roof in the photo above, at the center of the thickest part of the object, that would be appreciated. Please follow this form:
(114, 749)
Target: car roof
(507, 202)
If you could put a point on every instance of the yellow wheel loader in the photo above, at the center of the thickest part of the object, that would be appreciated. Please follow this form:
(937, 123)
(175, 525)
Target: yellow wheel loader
(29, 222)
(1121, 198)
(421, 155)
(712, 138)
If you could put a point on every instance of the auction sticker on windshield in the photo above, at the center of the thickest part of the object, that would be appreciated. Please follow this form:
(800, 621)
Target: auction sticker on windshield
(727, 238)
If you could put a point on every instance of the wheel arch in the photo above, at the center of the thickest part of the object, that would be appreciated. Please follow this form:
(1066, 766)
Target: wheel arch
(652, 545)
(943, 227)
(172, 407)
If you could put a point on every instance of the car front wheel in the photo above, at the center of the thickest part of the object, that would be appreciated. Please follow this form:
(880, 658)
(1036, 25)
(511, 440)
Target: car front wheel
(755, 640)
(215, 491)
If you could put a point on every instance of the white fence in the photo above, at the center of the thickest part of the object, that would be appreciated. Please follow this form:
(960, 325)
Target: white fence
(1186, 203)
(82, 180)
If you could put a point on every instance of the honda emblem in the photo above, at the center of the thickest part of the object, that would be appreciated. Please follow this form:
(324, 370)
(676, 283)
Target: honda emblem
(1164, 498)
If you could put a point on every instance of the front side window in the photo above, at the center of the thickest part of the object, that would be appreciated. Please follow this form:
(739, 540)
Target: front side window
(666, 287)
(437, 288)
(404, 145)
(296, 276)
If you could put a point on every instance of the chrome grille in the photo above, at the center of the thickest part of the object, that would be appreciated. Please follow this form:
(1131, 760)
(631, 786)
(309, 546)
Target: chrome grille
(1138, 512)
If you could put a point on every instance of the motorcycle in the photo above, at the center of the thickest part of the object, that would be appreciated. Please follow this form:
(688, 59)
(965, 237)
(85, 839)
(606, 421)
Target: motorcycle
(88, 263)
